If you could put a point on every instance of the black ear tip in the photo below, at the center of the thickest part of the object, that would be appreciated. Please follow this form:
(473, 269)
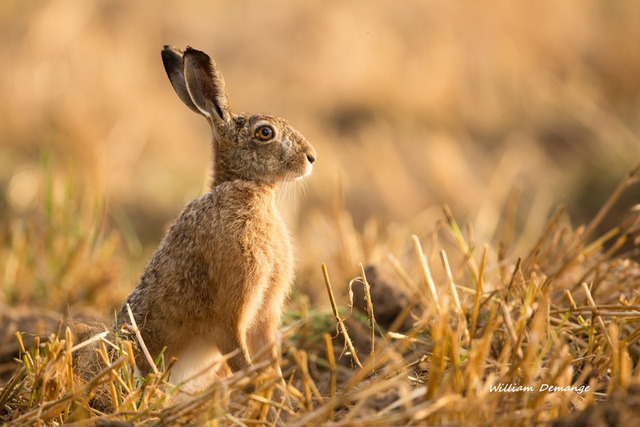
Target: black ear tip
(172, 60)
(171, 57)
(171, 50)
(195, 52)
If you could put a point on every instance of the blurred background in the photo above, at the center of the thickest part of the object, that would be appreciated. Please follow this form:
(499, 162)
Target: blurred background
(487, 108)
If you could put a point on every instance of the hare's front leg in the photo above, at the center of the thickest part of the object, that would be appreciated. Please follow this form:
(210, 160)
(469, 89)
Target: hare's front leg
(261, 340)
(231, 338)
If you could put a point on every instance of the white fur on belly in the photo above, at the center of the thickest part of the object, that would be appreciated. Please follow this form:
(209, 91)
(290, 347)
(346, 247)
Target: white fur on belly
(195, 359)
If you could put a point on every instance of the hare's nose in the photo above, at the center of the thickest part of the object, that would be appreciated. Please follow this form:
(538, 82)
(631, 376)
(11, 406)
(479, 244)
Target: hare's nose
(311, 158)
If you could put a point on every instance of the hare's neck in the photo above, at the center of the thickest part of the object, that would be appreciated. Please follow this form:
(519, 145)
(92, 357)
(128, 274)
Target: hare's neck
(252, 194)
(222, 176)
(219, 176)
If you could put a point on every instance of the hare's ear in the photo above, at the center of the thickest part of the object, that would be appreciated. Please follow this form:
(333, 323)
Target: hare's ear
(174, 66)
(206, 85)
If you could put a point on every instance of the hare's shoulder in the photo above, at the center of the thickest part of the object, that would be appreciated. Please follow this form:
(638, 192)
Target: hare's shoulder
(194, 219)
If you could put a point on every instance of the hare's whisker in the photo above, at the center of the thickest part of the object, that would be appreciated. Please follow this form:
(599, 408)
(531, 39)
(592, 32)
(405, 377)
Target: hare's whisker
(283, 191)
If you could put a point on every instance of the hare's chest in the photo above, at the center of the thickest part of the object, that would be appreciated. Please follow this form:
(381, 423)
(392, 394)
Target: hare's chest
(268, 250)
(282, 252)
(273, 253)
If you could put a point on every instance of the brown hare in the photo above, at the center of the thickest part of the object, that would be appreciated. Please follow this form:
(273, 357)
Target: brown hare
(218, 281)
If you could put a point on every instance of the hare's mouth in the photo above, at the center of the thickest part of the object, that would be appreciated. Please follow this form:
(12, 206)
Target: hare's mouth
(301, 170)
(308, 168)
(299, 177)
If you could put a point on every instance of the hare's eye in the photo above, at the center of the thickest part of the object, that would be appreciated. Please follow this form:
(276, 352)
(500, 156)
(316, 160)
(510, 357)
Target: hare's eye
(265, 133)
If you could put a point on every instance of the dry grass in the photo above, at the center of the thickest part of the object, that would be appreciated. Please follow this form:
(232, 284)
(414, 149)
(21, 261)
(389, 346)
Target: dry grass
(500, 112)
(566, 315)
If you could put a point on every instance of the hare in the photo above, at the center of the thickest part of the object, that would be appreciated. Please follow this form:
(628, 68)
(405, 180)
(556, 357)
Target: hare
(218, 281)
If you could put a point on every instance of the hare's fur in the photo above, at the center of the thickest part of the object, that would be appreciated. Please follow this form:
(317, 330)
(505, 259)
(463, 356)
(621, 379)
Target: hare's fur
(218, 281)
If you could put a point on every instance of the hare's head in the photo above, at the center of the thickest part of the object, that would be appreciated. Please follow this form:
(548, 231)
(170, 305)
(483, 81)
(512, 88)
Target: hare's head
(248, 147)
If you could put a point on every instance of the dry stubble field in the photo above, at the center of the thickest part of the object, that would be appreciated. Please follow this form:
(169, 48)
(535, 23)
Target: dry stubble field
(478, 161)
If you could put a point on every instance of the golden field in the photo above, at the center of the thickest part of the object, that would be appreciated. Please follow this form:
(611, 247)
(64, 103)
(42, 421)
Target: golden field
(500, 111)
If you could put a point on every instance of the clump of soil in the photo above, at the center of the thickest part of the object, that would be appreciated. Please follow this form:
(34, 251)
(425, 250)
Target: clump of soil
(388, 299)
(621, 409)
